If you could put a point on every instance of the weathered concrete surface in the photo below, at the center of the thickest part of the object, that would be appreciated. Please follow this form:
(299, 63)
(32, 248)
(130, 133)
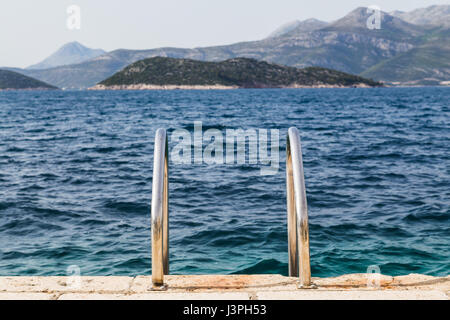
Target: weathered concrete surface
(225, 287)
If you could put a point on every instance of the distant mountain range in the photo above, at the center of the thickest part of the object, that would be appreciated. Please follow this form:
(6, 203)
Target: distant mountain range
(434, 15)
(10, 80)
(411, 48)
(70, 53)
(163, 72)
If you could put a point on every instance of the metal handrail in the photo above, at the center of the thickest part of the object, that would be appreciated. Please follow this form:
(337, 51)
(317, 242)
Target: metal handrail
(297, 211)
(160, 210)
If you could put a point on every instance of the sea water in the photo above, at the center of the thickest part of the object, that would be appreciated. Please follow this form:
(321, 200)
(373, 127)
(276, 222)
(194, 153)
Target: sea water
(76, 180)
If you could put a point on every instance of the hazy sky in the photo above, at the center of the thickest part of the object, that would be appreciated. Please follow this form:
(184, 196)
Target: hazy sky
(31, 30)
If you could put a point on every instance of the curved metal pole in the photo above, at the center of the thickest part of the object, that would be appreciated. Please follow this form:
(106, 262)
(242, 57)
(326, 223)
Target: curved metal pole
(160, 210)
(297, 211)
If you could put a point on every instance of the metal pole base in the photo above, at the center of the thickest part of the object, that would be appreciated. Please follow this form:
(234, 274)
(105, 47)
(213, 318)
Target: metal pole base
(163, 287)
(311, 286)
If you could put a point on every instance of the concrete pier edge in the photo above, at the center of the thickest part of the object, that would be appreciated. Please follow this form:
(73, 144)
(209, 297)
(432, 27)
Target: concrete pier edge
(226, 287)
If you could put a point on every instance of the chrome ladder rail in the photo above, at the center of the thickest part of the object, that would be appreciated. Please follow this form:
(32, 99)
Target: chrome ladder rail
(160, 210)
(297, 212)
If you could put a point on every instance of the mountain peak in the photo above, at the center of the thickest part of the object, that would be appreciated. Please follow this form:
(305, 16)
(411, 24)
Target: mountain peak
(74, 44)
(298, 26)
(390, 27)
(358, 15)
(70, 53)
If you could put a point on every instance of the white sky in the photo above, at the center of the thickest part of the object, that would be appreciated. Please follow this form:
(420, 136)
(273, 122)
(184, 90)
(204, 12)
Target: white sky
(31, 30)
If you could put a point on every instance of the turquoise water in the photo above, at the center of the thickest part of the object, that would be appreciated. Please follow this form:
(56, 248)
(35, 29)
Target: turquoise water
(76, 177)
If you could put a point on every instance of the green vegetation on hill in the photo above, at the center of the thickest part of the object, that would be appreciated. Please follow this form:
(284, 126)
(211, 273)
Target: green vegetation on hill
(16, 81)
(240, 72)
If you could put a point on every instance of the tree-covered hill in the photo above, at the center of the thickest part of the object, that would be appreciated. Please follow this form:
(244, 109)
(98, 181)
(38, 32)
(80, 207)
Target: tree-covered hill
(237, 72)
(16, 81)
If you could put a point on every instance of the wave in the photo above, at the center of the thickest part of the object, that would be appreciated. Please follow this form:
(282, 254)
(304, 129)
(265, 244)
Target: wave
(265, 266)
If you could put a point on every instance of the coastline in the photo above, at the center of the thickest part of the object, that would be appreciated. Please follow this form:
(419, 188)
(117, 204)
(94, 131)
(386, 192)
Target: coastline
(30, 89)
(215, 87)
(142, 86)
(100, 87)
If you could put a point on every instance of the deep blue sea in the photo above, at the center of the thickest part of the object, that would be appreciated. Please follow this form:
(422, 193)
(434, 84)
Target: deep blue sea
(76, 180)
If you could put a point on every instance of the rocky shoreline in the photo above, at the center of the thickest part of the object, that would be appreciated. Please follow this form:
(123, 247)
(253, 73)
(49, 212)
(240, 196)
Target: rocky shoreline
(100, 87)
(29, 89)
(160, 87)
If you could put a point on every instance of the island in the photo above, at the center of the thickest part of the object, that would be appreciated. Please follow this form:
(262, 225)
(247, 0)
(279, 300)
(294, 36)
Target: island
(173, 73)
(10, 80)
